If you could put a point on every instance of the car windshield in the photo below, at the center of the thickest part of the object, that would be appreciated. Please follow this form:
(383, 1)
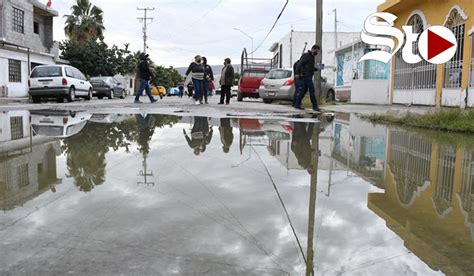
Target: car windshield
(279, 74)
(255, 74)
(46, 72)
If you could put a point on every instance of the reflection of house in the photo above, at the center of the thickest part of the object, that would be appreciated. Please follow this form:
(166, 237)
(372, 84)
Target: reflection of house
(424, 83)
(361, 147)
(362, 82)
(429, 199)
(25, 175)
(26, 40)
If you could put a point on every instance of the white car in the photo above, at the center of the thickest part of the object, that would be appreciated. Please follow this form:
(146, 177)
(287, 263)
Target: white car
(60, 82)
(58, 123)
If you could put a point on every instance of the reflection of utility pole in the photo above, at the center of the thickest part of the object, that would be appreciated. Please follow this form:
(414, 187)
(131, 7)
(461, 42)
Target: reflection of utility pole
(145, 20)
(312, 199)
(145, 173)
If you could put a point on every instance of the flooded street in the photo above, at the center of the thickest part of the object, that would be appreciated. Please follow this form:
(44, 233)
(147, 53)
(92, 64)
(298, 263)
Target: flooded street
(150, 194)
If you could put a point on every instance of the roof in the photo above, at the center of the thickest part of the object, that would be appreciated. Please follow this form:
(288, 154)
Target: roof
(346, 46)
(42, 9)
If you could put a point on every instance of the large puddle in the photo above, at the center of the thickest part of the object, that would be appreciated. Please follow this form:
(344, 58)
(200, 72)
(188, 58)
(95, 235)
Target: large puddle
(146, 194)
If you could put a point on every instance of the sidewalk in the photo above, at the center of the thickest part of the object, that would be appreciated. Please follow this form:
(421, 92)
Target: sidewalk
(395, 110)
(7, 101)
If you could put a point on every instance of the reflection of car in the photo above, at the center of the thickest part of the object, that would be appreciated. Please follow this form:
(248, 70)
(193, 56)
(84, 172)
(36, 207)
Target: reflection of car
(104, 118)
(279, 84)
(58, 123)
(250, 82)
(107, 87)
(158, 91)
(58, 81)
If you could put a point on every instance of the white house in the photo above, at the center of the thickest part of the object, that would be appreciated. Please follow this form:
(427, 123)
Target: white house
(26, 41)
(290, 48)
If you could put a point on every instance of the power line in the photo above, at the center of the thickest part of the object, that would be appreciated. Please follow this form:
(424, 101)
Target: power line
(273, 27)
(145, 20)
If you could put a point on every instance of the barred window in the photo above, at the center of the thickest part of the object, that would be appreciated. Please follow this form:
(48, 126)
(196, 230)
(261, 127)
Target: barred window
(23, 175)
(14, 70)
(16, 127)
(421, 75)
(453, 68)
(18, 20)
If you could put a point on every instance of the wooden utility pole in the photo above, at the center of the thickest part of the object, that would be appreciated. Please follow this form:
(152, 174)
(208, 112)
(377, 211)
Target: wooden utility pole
(319, 40)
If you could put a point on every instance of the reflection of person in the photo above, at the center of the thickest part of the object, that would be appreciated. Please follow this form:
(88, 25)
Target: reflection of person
(201, 135)
(227, 137)
(145, 133)
(301, 144)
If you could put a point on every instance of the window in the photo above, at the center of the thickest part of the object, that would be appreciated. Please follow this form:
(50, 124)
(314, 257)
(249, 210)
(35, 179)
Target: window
(255, 74)
(279, 74)
(46, 72)
(421, 75)
(131, 83)
(16, 127)
(18, 20)
(14, 70)
(453, 68)
(23, 176)
(36, 27)
(69, 72)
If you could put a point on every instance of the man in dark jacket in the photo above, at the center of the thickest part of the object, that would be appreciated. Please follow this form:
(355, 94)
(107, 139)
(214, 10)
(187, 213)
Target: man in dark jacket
(196, 69)
(145, 75)
(208, 77)
(305, 72)
(227, 81)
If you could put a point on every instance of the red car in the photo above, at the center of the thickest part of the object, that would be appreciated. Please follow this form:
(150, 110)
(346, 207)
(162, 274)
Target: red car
(249, 83)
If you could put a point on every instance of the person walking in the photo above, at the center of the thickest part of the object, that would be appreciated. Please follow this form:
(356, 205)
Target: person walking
(196, 69)
(305, 72)
(208, 78)
(227, 81)
(145, 75)
(181, 91)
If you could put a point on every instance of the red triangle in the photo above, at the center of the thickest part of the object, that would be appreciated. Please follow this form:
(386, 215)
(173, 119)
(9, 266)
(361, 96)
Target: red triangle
(437, 45)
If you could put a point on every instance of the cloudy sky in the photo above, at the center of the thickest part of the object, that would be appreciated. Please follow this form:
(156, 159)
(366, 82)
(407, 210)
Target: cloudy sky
(183, 28)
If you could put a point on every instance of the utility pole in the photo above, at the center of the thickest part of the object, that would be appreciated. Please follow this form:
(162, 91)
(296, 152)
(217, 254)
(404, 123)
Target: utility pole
(145, 20)
(319, 40)
(291, 47)
(335, 30)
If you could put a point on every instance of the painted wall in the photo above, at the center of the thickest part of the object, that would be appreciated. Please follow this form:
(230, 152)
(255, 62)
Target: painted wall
(369, 91)
(436, 13)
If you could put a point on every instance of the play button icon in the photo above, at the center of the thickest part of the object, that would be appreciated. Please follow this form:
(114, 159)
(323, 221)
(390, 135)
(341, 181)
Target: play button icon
(437, 45)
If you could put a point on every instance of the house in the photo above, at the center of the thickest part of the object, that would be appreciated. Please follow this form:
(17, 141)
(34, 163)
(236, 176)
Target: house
(361, 82)
(26, 41)
(451, 84)
(290, 48)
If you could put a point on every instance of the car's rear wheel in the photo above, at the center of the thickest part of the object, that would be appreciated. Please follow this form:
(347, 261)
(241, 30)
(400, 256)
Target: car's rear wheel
(331, 95)
(111, 94)
(36, 99)
(267, 101)
(72, 95)
(89, 95)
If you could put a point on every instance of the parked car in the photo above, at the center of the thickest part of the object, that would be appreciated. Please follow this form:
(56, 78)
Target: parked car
(279, 84)
(107, 87)
(58, 123)
(173, 91)
(60, 82)
(158, 91)
(249, 83)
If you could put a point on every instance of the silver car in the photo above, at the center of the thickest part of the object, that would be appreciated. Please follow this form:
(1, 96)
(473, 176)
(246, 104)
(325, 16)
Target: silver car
(279, 84)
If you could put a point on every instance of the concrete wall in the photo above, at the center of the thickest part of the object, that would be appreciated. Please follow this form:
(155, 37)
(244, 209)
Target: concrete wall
(369, 92)
(292, 49)
(416, 97)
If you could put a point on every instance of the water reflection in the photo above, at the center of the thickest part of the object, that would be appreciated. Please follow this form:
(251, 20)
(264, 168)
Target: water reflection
(396, 201)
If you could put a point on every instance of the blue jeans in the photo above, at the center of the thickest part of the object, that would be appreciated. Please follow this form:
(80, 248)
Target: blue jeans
(198, 89)
(298, 85)
(144, 86)
(307, 84)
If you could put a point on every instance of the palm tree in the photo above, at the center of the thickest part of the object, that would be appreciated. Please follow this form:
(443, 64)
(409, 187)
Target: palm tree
(85, 23)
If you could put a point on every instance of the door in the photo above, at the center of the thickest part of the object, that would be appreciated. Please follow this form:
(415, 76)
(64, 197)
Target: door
(82, 87)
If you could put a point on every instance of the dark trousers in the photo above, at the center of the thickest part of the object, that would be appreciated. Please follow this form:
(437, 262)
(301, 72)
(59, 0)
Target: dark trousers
(307, 85)
(225, 93)
(144, 86)
(298, 85)
(205, 89)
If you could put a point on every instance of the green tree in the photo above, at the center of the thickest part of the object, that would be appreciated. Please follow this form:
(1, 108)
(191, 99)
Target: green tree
(167, 77)
(95, 58)
(85, 23)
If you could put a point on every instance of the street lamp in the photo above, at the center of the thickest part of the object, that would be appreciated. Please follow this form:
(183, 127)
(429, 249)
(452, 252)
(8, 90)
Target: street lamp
(247, 35)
